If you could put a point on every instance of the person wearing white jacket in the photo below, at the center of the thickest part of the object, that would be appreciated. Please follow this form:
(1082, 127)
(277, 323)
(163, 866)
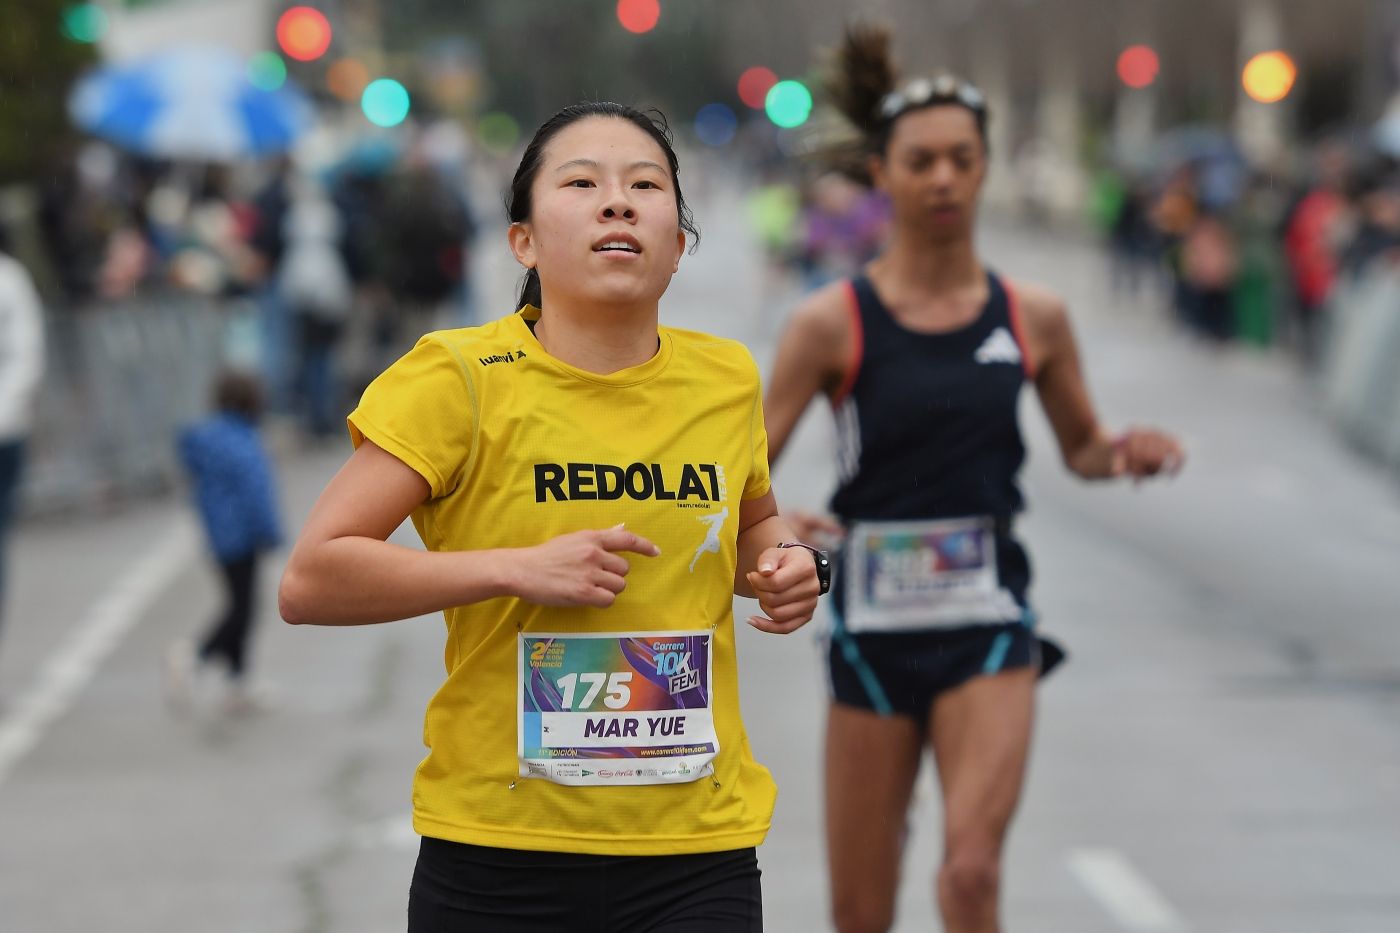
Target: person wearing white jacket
(21, 368)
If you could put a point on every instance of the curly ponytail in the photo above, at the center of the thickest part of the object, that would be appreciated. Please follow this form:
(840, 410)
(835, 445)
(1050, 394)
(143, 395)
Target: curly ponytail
(860, 74)
(860, 78)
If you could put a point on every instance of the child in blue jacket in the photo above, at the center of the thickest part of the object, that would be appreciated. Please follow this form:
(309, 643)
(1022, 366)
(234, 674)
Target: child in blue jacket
(235, 493)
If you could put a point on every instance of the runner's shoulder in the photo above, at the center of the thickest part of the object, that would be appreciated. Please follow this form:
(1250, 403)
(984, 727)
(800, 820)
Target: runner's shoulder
(826, 313)
(476, 340)
(1043, 309)
(723, 358)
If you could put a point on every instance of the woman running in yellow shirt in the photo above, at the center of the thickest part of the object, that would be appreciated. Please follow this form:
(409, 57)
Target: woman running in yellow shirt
(591, 488)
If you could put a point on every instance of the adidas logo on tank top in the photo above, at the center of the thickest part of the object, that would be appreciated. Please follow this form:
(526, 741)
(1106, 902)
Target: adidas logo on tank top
(999, 347)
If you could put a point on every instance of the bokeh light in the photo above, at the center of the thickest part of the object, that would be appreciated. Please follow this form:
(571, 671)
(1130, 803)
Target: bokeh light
(1269, 76)
(385, 102)
(715, 125)
(85, 22)
(304, 33)
(267, 71)
(788, 103)
(1138, 66)
(754, 85)
(497, 132)
(347, 78)
(638, 15)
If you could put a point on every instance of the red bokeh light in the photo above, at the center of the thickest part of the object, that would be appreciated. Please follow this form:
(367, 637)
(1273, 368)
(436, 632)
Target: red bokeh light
(1137, 66)
(304, 33)
(638, 15)
(754, 85)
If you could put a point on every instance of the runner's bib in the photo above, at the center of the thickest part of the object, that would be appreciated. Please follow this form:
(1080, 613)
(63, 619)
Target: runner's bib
(906, 576)
(616, 708)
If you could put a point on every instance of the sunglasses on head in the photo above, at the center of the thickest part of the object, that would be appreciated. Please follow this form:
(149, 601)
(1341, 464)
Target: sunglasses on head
(921, 92)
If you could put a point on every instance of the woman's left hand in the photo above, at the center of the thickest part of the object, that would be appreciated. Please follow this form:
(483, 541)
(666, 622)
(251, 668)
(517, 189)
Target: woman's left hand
(786, 586)
(1143, 452)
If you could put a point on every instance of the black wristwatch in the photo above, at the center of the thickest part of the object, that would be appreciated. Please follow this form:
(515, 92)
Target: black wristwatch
(823, 564)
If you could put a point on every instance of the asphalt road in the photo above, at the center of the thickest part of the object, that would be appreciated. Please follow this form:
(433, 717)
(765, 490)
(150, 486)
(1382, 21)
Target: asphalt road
(1221, 753)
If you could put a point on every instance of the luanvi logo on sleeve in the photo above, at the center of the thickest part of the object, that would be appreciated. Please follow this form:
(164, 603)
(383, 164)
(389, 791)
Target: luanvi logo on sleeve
(510, 356)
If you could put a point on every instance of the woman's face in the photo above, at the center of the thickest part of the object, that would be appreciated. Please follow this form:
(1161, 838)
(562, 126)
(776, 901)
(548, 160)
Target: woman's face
(603, 226)
(932, 170)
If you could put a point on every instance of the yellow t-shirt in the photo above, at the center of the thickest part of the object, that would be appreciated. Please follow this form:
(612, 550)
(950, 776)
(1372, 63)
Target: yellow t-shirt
(639, 701)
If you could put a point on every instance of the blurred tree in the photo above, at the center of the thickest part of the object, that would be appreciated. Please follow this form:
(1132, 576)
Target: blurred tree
(37, 67)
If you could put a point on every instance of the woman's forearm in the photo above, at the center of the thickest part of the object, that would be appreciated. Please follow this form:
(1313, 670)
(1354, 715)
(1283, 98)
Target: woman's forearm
(359, 580)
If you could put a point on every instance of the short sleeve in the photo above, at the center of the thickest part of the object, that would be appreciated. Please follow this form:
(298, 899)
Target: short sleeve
(423, 410)
(758, 482)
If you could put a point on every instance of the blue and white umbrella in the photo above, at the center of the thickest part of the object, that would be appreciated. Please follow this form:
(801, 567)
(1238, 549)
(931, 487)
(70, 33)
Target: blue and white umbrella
(189, 103)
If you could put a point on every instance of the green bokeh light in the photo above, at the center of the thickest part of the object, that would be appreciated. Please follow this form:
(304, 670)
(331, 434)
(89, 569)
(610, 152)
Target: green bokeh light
(788, 103)
(385, 102)
(498, 132)
(85, 22)
(267, 71)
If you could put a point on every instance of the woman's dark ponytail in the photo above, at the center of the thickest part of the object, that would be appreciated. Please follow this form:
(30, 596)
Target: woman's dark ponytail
(863, 73)
(530, 290)
(860, 74)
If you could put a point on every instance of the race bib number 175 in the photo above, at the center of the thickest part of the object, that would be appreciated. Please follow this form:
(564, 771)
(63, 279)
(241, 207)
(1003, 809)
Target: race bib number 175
(620, 708)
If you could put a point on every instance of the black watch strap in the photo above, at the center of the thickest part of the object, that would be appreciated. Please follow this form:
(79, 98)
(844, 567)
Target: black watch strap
(823, 563)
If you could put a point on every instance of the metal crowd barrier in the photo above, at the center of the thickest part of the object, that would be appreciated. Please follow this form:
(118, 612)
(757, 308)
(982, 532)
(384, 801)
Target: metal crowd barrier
(1361, 369)
(121, 379)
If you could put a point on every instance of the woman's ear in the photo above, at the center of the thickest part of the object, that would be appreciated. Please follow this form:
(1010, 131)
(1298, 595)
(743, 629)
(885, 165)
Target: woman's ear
(680, 251)
(522, 243)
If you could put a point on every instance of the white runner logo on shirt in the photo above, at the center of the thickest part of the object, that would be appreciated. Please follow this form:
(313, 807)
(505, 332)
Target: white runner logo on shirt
(999, 347)
(715, 521)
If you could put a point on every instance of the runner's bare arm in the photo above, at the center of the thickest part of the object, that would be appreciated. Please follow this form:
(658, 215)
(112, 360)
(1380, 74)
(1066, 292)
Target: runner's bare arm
(783, 580)
(342, 571)
(1088, 448)
(814, 355)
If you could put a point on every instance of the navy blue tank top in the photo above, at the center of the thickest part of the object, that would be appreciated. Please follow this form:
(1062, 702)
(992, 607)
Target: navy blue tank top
(927, 425)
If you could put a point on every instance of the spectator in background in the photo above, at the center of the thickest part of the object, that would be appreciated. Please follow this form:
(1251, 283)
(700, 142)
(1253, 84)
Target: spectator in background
(426, 227)
(1209, 266)
(313, 286)
(1311, 239)
(844, 226)
(21, 367)
(1173, 215)
(235, 493)
(267, 241)
(1377, 232)
(1132, 241)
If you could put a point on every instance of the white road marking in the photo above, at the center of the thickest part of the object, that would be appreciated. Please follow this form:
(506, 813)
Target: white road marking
(1127, 896)
(68, 670)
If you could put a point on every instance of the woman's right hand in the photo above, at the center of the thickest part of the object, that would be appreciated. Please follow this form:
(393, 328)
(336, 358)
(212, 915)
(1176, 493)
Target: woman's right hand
(814, 528)
(582, 568)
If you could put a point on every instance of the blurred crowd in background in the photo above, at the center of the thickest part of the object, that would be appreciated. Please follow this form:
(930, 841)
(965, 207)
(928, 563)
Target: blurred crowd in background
(294, 216)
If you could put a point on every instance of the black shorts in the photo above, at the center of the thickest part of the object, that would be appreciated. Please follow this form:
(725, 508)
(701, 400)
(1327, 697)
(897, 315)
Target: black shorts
(900, 673)
(461, 888)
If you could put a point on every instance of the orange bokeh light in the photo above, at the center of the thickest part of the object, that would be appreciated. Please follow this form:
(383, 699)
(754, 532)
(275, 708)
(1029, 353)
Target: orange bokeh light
(304, 33)
(347, 78)
(1269, 76)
